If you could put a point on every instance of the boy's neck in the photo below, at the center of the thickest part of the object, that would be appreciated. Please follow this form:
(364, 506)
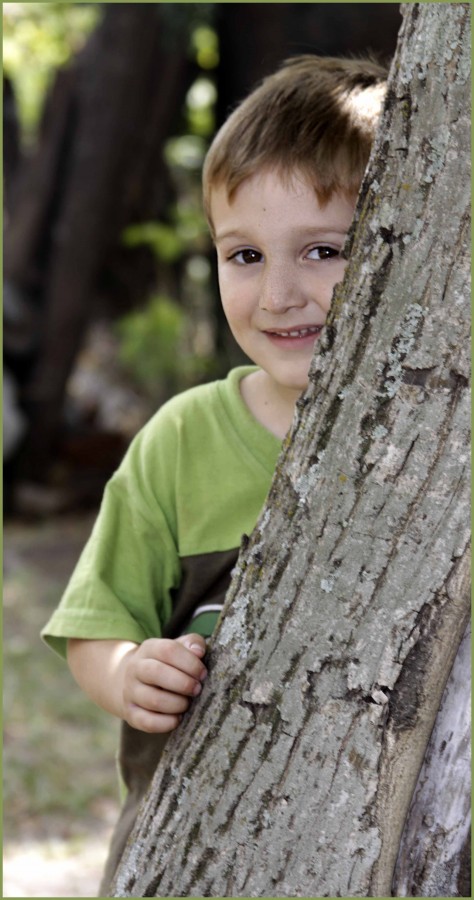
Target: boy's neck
(273, 408)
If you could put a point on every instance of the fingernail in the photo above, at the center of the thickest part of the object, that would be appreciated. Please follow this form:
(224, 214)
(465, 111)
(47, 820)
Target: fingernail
(196, 648)
(197, 689)
(203, 675)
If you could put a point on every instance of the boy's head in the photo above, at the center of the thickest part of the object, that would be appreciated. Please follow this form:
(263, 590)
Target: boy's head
(280, 184)
(316, 116)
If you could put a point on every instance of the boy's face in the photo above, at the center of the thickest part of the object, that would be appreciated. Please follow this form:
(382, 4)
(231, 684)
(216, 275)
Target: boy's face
(278, 258)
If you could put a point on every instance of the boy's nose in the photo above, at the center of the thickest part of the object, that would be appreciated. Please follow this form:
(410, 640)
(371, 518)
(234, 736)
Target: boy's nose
(280, 290)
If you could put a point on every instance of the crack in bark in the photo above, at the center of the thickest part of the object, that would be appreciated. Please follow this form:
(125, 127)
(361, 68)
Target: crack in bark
(207, 856)
(444, 433)
(340, 752)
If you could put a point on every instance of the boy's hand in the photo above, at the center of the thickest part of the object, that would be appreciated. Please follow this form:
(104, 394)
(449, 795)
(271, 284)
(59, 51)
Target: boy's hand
(160, 678)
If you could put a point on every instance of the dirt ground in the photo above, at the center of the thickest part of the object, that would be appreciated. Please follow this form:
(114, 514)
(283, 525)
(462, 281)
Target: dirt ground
(54, 868)
(60, 794)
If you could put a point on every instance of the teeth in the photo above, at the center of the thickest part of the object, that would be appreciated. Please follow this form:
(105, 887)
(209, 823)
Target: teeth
(302, 333)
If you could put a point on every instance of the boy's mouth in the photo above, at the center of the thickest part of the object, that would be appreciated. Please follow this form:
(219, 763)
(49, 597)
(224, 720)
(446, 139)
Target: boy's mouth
(295, 332)
(294, 338)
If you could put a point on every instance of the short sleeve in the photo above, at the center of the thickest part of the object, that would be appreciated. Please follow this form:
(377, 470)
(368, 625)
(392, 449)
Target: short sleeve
(121, 587)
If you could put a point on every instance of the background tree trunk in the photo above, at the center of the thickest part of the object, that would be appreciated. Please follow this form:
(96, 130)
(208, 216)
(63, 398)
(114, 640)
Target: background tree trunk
(294, 772)
(435, 851)
(11, 139)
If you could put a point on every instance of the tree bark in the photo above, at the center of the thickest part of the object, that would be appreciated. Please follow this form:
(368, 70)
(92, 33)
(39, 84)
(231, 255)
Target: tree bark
(294, 772)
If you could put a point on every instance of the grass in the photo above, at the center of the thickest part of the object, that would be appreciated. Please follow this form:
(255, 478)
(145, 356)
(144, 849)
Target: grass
(59, 749)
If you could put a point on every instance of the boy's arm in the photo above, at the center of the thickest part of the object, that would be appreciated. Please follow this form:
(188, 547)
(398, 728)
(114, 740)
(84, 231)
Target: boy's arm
(148, 685)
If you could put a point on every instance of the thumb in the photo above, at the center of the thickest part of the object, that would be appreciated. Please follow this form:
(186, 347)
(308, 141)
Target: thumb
(193, 642)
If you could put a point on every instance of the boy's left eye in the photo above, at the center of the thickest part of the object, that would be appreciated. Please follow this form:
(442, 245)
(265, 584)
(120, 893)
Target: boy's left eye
(322, 252)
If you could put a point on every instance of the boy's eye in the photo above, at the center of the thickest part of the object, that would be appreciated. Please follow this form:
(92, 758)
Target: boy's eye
(246, 257)
(322, 253)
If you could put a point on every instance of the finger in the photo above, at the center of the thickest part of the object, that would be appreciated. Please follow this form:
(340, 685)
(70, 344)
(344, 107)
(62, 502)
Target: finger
(194, 642)
(169, 678)
(158, 701)
(152, 723)
(176, 654)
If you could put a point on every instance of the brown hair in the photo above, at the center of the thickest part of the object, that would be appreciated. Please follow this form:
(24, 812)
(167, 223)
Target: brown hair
(315, 115)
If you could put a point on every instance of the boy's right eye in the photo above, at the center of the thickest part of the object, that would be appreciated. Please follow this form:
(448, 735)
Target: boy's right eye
(246, 257)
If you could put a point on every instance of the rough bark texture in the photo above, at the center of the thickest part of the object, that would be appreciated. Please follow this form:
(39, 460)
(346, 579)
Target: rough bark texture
(294, 772)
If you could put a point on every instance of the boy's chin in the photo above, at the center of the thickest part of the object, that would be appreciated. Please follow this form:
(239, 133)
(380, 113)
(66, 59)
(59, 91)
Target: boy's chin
(291, 385)
(296, 387)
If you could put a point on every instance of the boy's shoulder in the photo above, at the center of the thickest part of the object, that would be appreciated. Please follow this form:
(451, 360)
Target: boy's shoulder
(197, 411)
(196, 443)
(204, 399)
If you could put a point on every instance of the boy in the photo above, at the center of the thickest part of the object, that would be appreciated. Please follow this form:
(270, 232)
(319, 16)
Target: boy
(280, 184)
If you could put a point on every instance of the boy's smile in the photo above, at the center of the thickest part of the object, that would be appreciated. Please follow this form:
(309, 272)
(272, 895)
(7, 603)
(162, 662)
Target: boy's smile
(278, 255)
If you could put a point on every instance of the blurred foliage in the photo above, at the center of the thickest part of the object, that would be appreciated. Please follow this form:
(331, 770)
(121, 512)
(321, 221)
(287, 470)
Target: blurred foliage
(156, 346)
(164, 240)
(167, 346)
(186, 151)
(186, 231)
(39, 38)
(205, 45)
(200, 102)
(151, 339)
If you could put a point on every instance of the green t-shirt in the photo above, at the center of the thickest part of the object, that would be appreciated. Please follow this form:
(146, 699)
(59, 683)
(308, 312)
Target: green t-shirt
(171, 521)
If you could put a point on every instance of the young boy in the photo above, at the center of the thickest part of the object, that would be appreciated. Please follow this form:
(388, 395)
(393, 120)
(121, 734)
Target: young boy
(280, 184)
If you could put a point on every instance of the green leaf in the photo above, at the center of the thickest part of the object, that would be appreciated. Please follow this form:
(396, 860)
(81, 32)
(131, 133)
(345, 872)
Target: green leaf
(165, 241)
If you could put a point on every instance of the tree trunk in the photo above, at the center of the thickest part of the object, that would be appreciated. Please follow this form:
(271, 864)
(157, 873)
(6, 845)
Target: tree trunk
(294, 772)
(11, 140)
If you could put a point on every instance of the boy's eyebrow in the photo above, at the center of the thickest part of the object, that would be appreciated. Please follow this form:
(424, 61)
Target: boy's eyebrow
(314, 231)
(229, 234)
